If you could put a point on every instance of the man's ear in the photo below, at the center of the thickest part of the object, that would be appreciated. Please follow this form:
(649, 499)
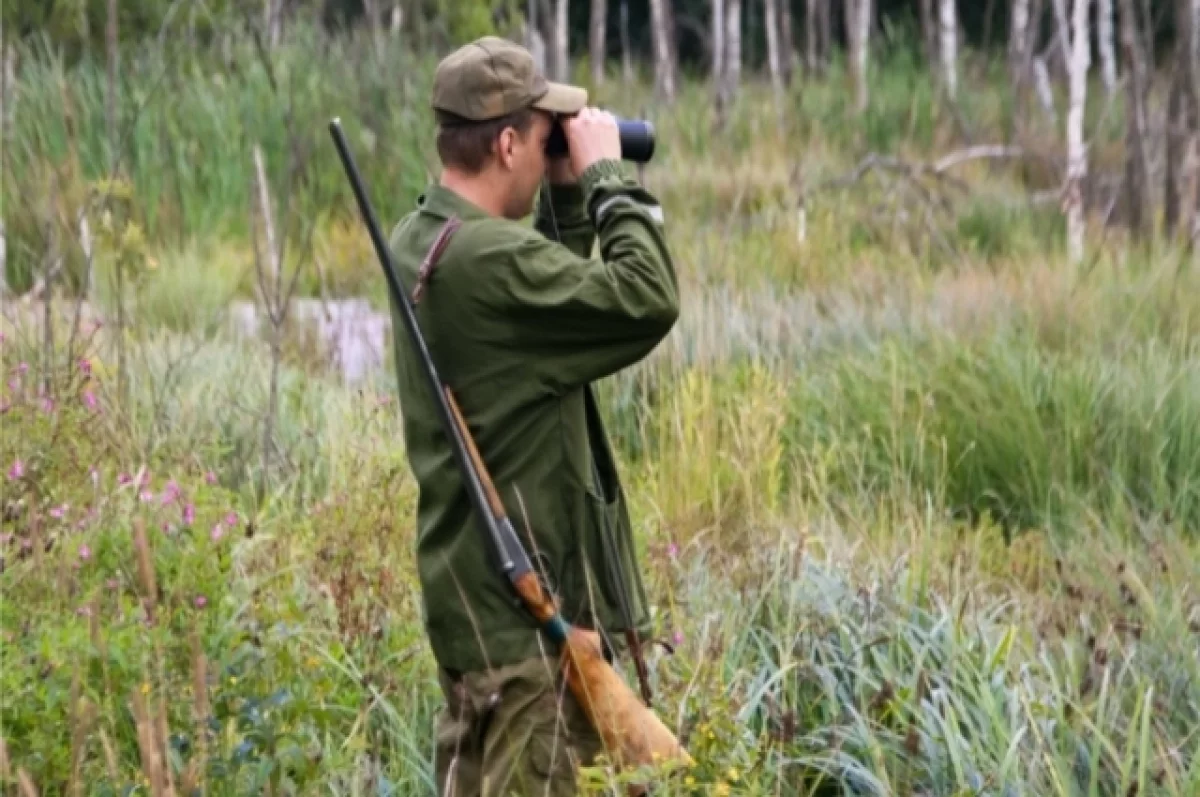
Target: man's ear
(504, 147)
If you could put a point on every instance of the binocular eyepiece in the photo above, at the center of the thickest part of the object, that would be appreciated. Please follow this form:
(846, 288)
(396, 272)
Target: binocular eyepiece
(637, 140)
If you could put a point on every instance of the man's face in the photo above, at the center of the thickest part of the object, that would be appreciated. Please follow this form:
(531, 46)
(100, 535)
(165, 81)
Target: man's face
(524, 160)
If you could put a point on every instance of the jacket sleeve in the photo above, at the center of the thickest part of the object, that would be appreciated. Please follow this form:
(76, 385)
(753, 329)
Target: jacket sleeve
(562, 216)
(576, 319)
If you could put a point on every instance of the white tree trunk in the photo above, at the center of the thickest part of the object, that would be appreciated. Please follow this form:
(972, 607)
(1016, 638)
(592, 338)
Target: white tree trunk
(1041, 79)
(1018, 57)
(1104, 43)
(1076, 154)
(733, 45)
(1137, 170)
(948, 30)
(562, 56)
(718, 41)
(731, 57)
(596, 31)
(811, 15)
(626, 49)
(858, 27)
(1063, 25)
(664, 72)
(771, 22)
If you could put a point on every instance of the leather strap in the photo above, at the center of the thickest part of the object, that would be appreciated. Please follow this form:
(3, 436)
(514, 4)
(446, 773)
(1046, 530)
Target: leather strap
(433, 255)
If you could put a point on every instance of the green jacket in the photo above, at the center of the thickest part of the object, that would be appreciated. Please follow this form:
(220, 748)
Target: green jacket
(519, 321)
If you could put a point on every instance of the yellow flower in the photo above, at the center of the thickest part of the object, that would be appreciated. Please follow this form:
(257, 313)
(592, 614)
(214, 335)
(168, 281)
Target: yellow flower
(689, 781)
(722, 789)
(732, 774)
(145, 688)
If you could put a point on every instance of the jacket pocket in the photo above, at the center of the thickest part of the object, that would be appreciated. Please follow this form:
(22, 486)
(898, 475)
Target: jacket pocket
(616, 566)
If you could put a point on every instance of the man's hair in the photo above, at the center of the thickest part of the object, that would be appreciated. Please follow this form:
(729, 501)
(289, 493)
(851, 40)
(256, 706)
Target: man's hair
(466, 144)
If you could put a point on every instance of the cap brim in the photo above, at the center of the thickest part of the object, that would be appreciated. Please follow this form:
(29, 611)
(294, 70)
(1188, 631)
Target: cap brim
(562, 98)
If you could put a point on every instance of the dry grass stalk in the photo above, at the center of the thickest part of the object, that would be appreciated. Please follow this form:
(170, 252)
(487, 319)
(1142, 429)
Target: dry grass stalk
(110, 756)
(201, 710)
(153, 761)
(145, 564)
(163, 741)
(26, 783)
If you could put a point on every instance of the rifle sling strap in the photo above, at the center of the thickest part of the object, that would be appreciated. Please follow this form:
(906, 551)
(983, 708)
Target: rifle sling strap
(433, 255)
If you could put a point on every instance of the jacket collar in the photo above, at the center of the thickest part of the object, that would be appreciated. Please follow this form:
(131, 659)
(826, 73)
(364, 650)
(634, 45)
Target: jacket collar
(441, 202)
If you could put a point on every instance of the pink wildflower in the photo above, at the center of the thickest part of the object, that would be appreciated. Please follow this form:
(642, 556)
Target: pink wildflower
(85, 365)
(89, 399)
(22, 368)
(14, 385)
(47, 405)
(677, 638)
(171, 492)
(147, 496)
(210, 477)
(85, 552)
(16, 470)
(59, 511)
(124, 478)
(218, 531)
(231, 519)
(200, 601)
(189, 514)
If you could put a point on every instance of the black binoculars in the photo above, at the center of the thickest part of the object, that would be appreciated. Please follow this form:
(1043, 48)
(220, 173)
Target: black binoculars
(637, 140)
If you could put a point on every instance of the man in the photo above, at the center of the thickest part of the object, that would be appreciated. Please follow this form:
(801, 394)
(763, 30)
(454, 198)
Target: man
(519, 321)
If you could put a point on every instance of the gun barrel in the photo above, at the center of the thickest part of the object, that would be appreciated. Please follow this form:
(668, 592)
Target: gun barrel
(513, 559)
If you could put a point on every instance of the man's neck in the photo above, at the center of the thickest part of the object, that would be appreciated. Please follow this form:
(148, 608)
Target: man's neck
(474, 189)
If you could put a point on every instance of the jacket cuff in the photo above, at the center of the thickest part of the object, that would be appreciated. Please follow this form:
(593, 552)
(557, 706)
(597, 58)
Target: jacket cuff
(563, 202)
(600, 173)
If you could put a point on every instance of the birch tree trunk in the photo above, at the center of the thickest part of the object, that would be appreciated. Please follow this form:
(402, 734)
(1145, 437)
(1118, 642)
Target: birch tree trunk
(1076, 155)
(929, 30)
(812, 12)
(787, 31)
(1104, 43)
(596, 31)
(562, 56)
(1018, 49)
(626, 50)
(948, 29)
(374, 16)
(731, 60)
(1137, 169)
(273, 21)
(1183, 120)
(1063, 26)
(771, 23)
(664, 68)
(858, 27)
(718, 42)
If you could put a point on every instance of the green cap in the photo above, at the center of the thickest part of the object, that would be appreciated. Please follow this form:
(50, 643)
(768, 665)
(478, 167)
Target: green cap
(491, 77)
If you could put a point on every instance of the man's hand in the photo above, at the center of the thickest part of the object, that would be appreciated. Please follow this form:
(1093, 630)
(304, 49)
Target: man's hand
(592, 135)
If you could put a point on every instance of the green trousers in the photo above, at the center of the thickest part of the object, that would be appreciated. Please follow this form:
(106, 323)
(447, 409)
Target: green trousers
(514, 730)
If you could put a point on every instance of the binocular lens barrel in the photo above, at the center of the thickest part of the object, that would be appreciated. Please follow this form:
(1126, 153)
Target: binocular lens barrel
(637, 140)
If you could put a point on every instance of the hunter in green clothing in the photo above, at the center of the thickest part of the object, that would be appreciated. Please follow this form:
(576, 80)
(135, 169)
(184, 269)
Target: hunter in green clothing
(519, 321)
